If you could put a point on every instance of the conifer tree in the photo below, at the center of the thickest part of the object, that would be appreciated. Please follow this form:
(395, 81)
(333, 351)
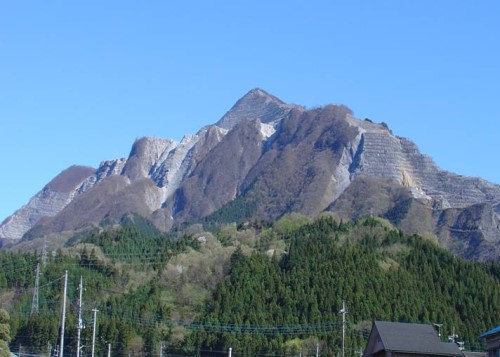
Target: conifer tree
(4, 333)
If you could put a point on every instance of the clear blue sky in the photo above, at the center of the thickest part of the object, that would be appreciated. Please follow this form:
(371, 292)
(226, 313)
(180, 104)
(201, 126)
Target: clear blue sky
(81, 80)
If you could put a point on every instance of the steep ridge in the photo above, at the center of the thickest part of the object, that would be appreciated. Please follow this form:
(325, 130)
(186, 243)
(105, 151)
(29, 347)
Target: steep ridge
(270, 158)
(47, 203)
(165, 162)
(299, 171)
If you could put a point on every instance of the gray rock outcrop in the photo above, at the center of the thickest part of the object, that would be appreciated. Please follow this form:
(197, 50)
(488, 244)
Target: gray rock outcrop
(51, 200)
(265, 158)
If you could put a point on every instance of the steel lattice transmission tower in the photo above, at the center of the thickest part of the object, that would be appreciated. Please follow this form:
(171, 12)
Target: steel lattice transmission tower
(36, 292)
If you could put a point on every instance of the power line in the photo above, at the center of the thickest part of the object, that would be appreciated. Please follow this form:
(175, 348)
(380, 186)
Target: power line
(283, 329)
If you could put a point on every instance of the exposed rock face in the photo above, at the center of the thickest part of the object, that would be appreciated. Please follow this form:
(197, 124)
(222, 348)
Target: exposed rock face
(46, 203)
(472, 232)
(299, 170)
(381, 154)
(217, 178)
(266, 158)
(256, 104)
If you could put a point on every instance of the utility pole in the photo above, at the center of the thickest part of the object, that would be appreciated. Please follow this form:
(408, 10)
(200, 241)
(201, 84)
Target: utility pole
(61, 344)
(109, 349)
(93, 331)
(317, 349)
(161, 348)
(343, 311)
(34, 304)
(79, 323)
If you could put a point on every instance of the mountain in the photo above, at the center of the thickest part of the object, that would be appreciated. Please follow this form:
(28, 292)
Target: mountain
(263, 159)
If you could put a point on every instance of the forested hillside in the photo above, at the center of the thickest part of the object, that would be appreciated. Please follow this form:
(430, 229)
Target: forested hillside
(260, 288)
(380, 273)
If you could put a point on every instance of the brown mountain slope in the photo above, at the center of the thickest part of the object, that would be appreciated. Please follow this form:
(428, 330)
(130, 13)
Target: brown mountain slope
(268, 158)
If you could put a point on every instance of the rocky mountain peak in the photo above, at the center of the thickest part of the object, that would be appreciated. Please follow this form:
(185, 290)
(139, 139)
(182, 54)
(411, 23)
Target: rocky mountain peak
(256, 104)
(265, 158)
(258, 92)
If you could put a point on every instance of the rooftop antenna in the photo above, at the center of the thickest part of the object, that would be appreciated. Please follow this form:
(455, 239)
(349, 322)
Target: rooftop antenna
(453, 336)
(439, 329)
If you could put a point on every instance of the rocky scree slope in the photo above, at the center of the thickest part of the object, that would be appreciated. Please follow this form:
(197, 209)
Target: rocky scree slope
(274, 158)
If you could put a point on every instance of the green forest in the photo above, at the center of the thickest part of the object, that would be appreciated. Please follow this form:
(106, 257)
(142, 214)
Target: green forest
(259, 288)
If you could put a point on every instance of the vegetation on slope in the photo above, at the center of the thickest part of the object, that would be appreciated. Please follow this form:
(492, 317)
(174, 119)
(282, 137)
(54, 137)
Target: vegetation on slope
(259, 287)
(380, 273)
(4, 333)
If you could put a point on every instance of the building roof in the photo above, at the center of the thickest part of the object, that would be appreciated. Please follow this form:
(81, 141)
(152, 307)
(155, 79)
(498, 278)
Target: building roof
(413, 338)
(474, 354)
(491, 332)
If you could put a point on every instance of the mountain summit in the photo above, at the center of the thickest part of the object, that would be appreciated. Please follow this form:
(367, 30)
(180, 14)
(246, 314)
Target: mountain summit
(263, 159)
(256, 104)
